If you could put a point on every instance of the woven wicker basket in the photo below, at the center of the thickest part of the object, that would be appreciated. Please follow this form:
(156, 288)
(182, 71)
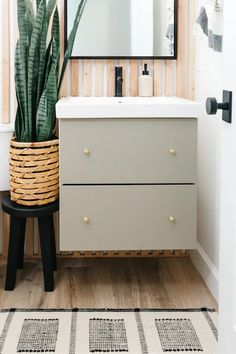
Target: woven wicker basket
(34, 172)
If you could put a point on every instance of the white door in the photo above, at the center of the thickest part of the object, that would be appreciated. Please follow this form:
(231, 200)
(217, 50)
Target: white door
(227, 302)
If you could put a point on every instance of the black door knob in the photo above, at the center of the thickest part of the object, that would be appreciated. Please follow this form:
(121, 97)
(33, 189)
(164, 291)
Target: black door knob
(212, 105)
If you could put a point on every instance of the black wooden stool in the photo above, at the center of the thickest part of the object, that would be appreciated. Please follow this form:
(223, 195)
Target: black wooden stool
(19, 214)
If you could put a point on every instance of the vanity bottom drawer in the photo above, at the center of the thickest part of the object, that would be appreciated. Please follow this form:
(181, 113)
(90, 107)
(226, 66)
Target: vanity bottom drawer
(127, 217)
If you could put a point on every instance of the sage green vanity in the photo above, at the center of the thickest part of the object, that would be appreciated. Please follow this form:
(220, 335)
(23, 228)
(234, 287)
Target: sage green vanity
(128, 173)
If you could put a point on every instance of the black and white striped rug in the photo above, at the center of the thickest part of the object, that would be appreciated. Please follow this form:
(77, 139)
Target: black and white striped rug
(84, 331)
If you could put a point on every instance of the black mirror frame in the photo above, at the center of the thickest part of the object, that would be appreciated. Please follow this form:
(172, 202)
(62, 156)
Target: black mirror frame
(174, 57)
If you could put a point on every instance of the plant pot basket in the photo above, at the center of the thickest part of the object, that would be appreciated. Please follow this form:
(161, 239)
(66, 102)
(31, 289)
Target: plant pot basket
(34, 172)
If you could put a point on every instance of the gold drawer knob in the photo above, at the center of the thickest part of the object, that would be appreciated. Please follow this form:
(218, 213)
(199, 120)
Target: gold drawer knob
(86, 152)
(86, 220)
(172, 151)
(172, 219)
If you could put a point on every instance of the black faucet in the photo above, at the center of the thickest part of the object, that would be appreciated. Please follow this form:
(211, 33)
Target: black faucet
(118, 81)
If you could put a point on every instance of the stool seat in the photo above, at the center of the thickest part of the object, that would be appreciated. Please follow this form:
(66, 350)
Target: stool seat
(18, 215)
(15, 209)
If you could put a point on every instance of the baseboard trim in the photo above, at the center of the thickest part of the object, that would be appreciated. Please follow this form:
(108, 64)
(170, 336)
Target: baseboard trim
(207, 269)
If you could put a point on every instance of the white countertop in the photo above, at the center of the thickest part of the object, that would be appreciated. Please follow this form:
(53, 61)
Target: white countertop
(127, 107)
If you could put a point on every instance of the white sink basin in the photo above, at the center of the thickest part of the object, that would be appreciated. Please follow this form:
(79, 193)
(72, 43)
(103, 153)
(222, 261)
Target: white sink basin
(126, 107)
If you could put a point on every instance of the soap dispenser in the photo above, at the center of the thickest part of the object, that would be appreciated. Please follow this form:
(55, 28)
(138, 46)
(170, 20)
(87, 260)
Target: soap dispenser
(145, 83)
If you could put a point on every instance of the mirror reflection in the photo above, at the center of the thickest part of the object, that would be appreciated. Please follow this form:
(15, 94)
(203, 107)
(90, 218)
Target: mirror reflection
(124, 28)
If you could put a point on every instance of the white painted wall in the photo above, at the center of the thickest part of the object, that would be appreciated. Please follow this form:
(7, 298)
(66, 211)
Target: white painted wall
(208, 84)
(227, 304)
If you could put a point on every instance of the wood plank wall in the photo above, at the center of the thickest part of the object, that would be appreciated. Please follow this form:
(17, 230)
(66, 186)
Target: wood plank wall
(96, 78)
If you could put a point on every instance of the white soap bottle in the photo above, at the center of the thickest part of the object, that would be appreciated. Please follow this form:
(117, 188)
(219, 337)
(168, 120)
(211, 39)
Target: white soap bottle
(145, 83)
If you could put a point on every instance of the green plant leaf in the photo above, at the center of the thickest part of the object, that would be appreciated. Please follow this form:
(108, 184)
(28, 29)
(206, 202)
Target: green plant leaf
(21, 93)
(33, 66)
(37, 68)
(56, 37)
(48, 62)
(19, 122)
(30, 15)
(46, 109)
(18, 128)
(41, 53)
(24, 21)
(50, 7)
(21, 62)
(42, 127)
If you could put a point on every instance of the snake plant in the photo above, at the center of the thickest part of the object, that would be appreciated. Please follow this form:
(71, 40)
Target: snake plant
(38, 76)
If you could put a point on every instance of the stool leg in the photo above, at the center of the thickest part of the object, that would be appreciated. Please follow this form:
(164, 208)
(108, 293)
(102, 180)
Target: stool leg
(20, 261)
(45, 241)
(14, 240)
(53, 244)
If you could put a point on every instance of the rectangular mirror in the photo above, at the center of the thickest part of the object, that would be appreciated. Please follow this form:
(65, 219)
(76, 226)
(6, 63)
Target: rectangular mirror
(124, 29)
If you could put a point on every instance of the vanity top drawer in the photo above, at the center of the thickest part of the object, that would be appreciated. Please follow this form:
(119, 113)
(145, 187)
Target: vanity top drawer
(127, 217)
(110, 151)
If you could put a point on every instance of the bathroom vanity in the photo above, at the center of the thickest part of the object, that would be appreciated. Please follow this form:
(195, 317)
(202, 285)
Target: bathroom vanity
(128, 172)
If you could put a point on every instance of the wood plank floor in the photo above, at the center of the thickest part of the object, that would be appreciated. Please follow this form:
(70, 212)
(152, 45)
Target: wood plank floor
(165, 283)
